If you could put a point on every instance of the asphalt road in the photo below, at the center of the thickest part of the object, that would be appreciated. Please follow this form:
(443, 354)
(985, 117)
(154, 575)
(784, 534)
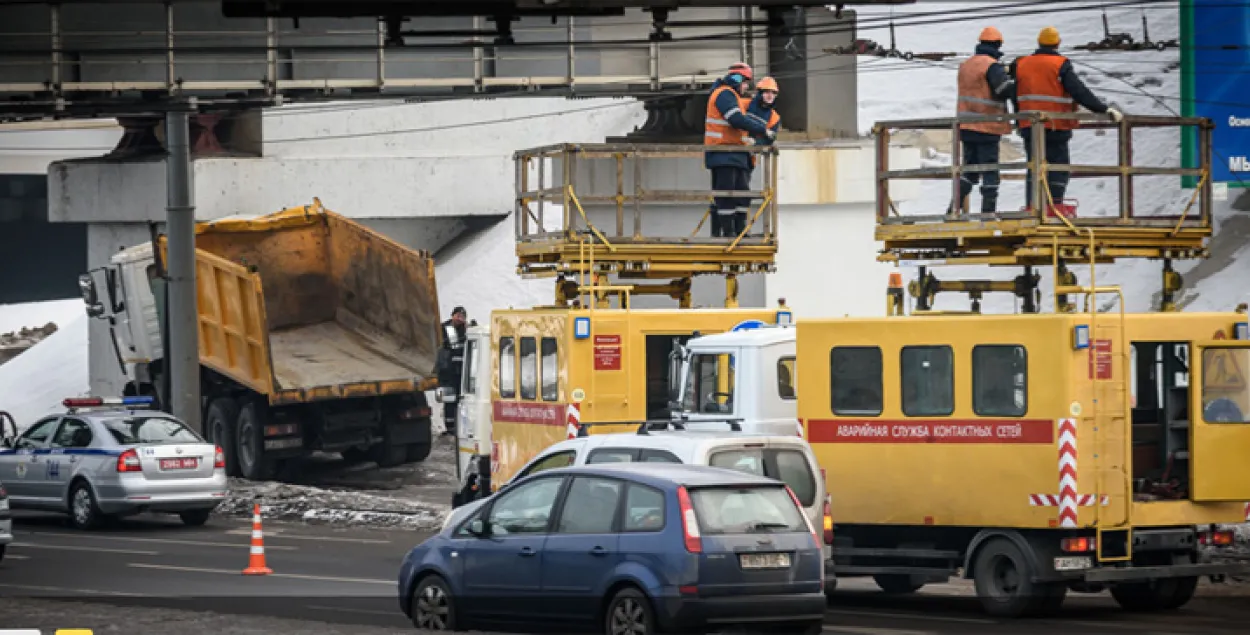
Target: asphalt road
(336, 576)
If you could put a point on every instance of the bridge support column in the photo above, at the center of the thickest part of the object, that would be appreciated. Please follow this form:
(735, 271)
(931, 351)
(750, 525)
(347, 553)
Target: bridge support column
(183, 323)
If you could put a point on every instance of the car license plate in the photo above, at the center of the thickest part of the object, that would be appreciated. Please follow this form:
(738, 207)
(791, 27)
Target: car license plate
(1072, 563)
(764, 560)
(188, 463)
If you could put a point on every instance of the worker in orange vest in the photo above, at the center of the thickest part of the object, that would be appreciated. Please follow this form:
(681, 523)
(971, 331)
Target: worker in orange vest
(1046, 82)
(727, 124)
(985, 87)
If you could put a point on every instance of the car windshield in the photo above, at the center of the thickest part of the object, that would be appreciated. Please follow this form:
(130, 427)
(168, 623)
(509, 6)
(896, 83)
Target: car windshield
(746, 510)
(150, 431)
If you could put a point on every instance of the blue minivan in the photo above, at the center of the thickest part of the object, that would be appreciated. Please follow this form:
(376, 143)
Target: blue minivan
(623, 548)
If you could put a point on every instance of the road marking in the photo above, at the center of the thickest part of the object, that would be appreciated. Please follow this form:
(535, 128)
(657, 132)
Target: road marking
(866, 630)
(296, 576)
(912, 616)
(130, 552)
(339, 609)
(271, 533)
(59, 589)
(14, 556)
(168, 541)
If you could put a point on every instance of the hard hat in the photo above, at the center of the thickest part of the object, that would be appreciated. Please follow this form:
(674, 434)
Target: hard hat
(767, 83)
(990, 34)
(1048, 37)
(742, 68)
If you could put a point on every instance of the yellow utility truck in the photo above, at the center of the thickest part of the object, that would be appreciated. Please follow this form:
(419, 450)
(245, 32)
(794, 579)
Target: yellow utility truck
(315, 334)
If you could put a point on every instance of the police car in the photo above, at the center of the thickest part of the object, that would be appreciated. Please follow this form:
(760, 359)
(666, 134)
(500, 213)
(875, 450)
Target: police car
(113, 457)
(6, 522)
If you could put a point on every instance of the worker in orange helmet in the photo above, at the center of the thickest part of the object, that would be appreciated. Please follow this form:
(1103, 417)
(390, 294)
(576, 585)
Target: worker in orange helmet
(985, 88)
(761, 108)
(727, 124)
(1046, 82)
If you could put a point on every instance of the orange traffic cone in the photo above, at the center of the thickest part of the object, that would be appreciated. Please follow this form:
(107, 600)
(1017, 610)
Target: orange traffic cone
(256, 561)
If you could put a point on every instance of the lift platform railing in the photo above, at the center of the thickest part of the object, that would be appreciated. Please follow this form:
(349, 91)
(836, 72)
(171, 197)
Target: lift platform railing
(600, 193)
(1041, 172)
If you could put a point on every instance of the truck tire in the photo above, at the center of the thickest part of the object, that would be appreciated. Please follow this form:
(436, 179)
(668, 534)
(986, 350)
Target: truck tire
(250, 437)
(417, 452)
(220, 422)
(1003, 576)
(1156, 595)
(897, 584)
(387, 455)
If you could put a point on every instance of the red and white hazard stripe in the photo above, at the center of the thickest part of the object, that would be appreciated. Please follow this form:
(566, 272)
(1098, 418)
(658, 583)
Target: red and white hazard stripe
(574, 420)
(1067, 473)
(1051, 500)
(799, 423)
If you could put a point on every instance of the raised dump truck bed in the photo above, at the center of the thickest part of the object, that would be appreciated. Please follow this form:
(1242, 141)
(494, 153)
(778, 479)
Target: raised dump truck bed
(347, 312)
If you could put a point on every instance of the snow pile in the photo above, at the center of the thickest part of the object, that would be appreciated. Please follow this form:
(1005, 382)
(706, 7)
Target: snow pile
(1146, 82)
(34, 383)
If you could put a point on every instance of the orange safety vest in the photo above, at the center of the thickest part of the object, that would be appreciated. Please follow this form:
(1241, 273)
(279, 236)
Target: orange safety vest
(1038, 88)
(717, 131)
(976, 98)
(773, 119)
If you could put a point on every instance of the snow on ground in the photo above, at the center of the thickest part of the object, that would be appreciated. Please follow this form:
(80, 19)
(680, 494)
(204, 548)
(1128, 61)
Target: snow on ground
(1146, 82)
(34, 383)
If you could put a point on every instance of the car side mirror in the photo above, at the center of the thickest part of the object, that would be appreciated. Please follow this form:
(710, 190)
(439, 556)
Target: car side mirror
(477, 527)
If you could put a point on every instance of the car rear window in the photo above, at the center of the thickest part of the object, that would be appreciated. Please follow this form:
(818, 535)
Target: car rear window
(150, 431)
(746, 510)
(788, 466)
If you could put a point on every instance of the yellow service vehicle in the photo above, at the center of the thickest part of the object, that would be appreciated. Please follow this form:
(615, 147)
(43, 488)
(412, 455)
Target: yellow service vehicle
(1034, 453)
(539, 375)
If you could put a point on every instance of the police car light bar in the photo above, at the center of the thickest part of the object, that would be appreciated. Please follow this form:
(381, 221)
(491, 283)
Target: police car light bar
(87, 402)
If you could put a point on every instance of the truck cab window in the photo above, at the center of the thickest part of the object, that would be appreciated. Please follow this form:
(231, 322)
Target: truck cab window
(529, 368)
(855, 387)
(507, 368)
(710, 384)
(785, 378)
(1225, 397)
(928, 378)
(470, 367)
(1000, 380)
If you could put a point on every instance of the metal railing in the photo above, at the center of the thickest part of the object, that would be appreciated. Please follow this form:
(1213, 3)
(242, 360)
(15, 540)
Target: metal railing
(611, 180)
(1041, 171)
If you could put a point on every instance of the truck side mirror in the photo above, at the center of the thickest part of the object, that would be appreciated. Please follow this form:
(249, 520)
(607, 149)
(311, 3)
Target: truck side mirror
(86, 287)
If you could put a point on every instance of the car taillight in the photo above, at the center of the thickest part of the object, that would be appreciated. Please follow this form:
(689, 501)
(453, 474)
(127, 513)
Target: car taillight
(129, 462)
(828, 521)
(219, 459)
(689, 522)
(807, 521)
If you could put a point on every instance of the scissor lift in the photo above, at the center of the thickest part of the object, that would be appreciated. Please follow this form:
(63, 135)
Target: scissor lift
(1043, 234)
(588, 211)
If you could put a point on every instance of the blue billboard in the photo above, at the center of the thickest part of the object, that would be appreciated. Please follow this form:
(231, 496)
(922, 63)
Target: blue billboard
(1215, 56)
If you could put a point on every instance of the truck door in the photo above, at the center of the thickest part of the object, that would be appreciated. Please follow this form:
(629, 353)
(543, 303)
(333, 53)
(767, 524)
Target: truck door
(1220, 409)
(469, 418)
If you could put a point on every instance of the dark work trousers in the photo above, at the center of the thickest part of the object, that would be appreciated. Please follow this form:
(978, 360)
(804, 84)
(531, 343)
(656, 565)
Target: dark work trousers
(979, 148)
(730, 216)
(1056, 153)
(449, 415)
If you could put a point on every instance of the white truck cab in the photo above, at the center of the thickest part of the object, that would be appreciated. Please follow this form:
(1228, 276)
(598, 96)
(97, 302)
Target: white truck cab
(473, 414)
(745, 376)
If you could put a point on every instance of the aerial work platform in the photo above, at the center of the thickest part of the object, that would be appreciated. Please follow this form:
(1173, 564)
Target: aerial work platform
(629, 210)
(1056, 233)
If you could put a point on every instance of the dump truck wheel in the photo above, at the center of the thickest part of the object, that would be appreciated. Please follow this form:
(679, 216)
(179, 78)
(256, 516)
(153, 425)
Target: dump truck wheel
(220, 421)
(386, 455)
(1003, 577)
(417, 452)
(253, 465)
(898, 584)
(1155, 595)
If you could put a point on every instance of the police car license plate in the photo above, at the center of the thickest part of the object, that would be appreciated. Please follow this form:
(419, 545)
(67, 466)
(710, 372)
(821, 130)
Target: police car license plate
(188, 463)
(764, 560)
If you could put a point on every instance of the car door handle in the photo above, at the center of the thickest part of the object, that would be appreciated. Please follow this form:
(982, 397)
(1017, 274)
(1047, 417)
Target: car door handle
(598, 551)
(526, 552)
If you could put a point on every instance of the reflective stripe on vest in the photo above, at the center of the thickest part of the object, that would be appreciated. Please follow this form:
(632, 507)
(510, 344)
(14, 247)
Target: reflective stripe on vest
(1039, 88)
(716, 128)
(976, 98)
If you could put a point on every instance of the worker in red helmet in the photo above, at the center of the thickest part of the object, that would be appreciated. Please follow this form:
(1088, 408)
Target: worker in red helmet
(985, 88)
(727, 124)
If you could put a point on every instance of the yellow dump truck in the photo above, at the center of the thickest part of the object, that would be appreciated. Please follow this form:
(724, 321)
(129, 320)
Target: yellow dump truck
(315, 334)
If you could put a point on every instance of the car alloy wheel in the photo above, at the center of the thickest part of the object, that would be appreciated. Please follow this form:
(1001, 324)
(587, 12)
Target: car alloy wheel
(82, 506)
(628, 617)
(432, 610)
